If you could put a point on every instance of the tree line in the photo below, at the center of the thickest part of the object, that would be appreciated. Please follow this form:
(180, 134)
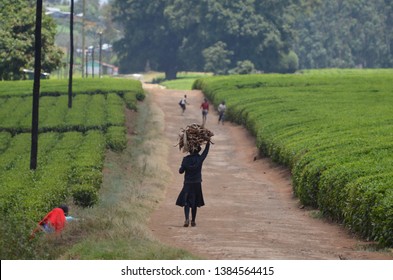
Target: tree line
(345, 34)
(242, 36)
(177, 35)
(219, 36)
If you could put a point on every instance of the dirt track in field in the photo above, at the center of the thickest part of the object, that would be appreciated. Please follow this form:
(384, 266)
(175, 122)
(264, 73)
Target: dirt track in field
(250, 211)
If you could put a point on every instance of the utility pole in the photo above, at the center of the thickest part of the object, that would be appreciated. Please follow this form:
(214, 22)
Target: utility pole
(83, 38)
(71, 55)
(92, 62)
(36, 86)
(87, 62)
(100, 57)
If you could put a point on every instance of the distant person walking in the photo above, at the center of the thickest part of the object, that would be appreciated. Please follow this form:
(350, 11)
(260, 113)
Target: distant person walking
(205, 111)
(183, 102)
(221, 112)
(191, 194)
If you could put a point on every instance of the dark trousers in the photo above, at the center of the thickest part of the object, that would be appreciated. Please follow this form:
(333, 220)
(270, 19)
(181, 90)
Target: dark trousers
(187, 212)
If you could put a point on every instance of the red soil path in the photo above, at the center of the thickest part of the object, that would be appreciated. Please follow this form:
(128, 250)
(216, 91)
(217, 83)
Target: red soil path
(250, 211)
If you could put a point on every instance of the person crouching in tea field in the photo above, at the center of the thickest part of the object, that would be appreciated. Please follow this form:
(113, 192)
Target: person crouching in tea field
(54, 221)
(191, 194)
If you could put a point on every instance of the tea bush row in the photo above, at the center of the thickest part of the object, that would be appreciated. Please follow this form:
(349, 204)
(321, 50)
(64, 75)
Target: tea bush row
(71, 147)
(80, 86)
(88, 112)
(66, 160)
(332, 128)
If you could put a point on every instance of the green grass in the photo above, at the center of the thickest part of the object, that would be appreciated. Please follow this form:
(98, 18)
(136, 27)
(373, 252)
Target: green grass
(184, 81)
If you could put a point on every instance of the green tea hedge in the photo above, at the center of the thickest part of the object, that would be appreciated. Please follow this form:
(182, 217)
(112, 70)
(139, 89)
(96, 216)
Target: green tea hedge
(332, 128)
(71, 147)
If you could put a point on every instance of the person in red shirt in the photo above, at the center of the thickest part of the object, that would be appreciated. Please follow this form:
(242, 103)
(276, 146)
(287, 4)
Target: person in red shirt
(205, 110)
(53, 222)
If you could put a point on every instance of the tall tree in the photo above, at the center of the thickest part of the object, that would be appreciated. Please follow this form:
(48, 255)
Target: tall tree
(217, 58)
(172, 34)
(17, 21)
(147, 37)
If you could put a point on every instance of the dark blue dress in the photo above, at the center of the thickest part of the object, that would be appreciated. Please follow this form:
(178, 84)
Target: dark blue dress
(191, 193)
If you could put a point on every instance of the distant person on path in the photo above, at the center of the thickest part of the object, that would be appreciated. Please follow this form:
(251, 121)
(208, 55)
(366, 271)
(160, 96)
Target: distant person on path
(54, 221)
(221, 112)
(183, 102)
(191, 194)
(205, 110)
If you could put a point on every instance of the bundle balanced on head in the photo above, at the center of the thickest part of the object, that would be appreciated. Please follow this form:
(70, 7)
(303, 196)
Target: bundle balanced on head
(190, 140)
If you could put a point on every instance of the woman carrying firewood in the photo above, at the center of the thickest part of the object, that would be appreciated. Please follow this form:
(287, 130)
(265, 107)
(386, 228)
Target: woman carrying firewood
(191, 195)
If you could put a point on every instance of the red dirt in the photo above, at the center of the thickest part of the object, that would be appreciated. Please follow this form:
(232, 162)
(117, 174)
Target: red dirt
(250, 211)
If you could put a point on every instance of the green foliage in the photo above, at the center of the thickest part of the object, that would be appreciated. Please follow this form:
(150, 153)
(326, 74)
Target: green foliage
(15, 243)
(160, 49)
(184, 81)
(370, 200)
(17, 21)
(217, 58)
(116, 138)
(84, 195)
(289, 63)
(101, 108)
(181, 30)
(80, 86)
(280, 36)
(72, 145)
(243, 67)
(344, 34)
(117, 226)
(332, 128)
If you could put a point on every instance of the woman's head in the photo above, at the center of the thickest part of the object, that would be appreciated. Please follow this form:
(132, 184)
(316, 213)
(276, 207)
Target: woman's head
(64, 208)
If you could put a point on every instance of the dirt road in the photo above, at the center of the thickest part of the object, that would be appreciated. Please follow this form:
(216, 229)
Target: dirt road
(250, 212)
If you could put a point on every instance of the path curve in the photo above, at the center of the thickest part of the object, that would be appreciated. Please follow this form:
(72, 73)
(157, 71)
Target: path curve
(250, 211)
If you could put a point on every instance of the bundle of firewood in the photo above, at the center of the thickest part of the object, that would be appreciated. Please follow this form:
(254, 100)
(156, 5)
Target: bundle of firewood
(193, 136)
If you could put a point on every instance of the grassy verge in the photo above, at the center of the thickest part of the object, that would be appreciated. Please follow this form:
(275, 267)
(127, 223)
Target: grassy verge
(134, 183)
(184, 80)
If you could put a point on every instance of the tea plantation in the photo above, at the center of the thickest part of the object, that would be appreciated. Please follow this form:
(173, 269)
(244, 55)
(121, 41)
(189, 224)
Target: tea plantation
(71, 146)
(333, 129)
